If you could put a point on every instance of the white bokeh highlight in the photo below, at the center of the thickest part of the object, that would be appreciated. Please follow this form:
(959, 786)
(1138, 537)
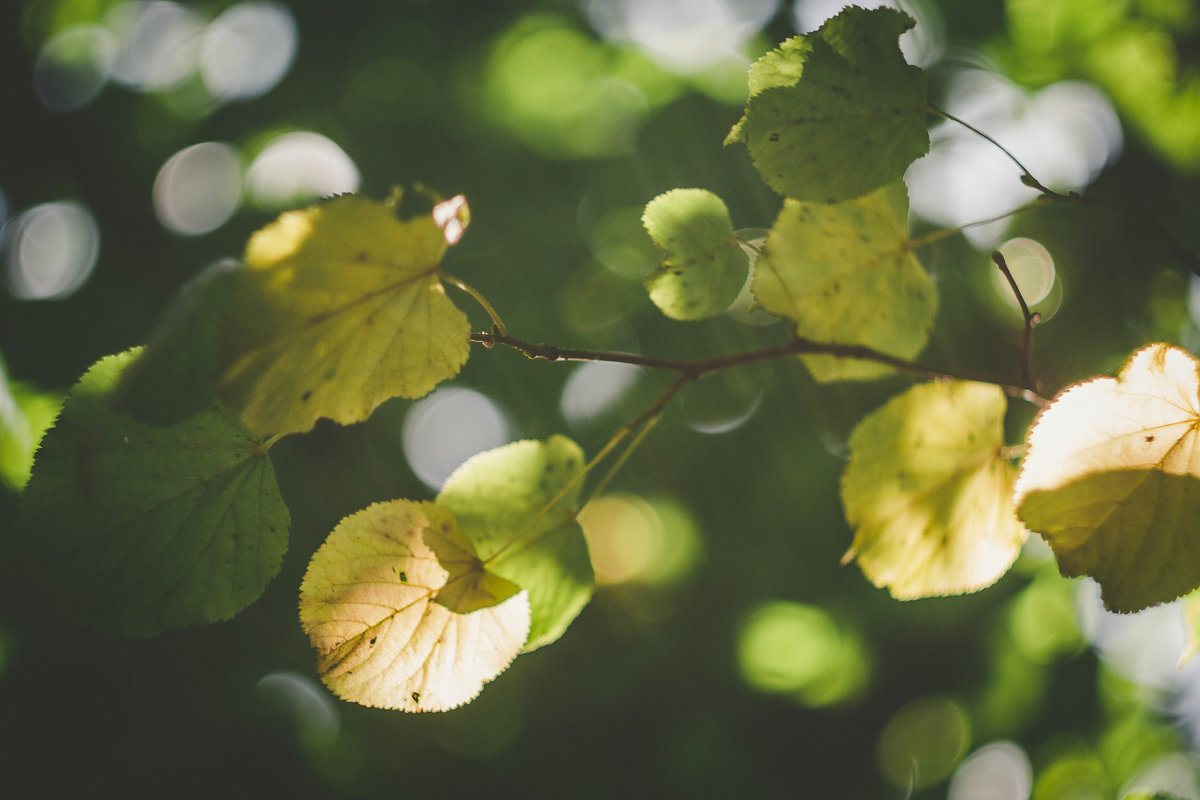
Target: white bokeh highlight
(446, 428)
(198, 189)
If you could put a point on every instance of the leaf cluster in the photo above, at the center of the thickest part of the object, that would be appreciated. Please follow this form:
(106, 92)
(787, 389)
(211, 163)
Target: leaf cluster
(153, 502)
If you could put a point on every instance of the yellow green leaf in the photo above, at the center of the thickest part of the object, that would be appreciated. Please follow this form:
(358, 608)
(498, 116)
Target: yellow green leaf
(517, 505)
(1112, 479)
(845, 273)
(402, 614)
(928, 492)
(836, 113)
(704, 268)
(339, 307)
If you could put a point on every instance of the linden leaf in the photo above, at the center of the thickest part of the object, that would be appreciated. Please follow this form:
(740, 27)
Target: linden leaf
(174, 376)
(516, 504)
(705, 267)
(846, 274)
(1191, 623)
(339, 307)
(367, 605)
(836, 113)
(1111, 479)
(148, 528)
(929, 493)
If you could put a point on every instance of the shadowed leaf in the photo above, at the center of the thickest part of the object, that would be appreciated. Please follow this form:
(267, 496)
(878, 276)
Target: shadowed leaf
(149, 528)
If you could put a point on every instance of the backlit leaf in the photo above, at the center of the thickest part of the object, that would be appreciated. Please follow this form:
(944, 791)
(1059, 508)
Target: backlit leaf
(502, 500)
(705, 267)
(368, 605)
(836, 113)
(146, 528)
(1112, 479)
(928, 492)
(339, 307)
(25, 415)
(846, 274)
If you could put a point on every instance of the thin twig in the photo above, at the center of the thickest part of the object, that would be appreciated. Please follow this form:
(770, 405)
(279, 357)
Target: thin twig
(1031, 319)
(479, 298)
(650, 415)
(938, 235)
(694, 369)
(1026, 176)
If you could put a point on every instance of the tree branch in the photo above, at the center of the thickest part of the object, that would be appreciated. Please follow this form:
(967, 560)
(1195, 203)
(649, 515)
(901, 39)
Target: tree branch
(698, 368)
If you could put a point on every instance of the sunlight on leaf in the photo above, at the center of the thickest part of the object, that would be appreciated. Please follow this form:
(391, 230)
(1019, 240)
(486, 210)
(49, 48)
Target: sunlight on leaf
(820, 97)
(705, 267)
(846, 275)
(368, 606)
(1191, 620)
(502, 500)
(146, 528)
(1112, 479)
(339, 307)
(929, 493)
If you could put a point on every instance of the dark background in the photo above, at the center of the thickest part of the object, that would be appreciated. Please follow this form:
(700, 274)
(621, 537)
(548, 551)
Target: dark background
(643, 696)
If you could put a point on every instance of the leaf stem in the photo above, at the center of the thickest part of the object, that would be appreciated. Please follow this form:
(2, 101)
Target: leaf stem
(644, 422)
(1026, 176)
(1031, 319)
(462, 285)
(938, 235)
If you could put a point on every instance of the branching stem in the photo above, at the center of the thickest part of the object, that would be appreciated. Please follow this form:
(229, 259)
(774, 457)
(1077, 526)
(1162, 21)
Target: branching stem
(641, 426)
(1026, 176)
(698, 368)
(1031, 319)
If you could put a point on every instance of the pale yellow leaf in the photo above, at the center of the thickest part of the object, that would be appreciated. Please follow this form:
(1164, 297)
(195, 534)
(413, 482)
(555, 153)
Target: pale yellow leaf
(403, 615)
(1112, 479)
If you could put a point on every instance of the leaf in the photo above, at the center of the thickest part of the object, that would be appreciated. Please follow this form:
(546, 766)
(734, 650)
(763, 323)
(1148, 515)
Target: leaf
(367, 605)
(25, 415)
(705, 267)
(1111, 479)
(502, 500)
(929, 493)
(1191, 623)
(339, 307)
(846, 274)
(836, 113)
(147, 528)
(175, 375)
